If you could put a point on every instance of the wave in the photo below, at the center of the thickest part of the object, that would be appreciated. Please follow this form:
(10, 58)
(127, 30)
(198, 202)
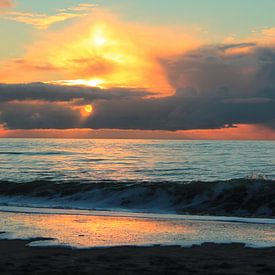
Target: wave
(236, 197)
(35, 153)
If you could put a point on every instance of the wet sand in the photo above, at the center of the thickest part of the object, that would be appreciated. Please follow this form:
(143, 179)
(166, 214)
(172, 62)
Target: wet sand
(17, 258)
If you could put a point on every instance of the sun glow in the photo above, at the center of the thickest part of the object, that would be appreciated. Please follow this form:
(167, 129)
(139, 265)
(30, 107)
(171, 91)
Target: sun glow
(99, 40)
(85, 110)
(99, 36)
(88, 108)
(95, 82)
(100, 51)
(80, 82)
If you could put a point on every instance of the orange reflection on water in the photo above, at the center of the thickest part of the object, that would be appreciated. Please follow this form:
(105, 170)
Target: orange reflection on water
(83, 231)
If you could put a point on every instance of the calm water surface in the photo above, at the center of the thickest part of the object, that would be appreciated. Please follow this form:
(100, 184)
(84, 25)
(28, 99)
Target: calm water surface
(152, 160)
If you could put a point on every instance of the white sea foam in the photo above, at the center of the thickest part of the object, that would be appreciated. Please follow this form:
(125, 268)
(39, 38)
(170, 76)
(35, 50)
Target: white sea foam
(240, 197)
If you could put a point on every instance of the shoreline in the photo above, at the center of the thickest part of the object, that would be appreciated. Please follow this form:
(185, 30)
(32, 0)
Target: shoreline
(47, 210)
(209, 258)
(102, 230)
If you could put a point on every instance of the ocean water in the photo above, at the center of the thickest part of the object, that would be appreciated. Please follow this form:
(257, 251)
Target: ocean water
(197, 177)
(87, 193)
(24, 160)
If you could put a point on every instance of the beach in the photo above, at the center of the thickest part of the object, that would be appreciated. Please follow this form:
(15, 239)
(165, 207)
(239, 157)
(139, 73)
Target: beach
(17, 258)
(52, 241)
(137, 137)
(141, 207)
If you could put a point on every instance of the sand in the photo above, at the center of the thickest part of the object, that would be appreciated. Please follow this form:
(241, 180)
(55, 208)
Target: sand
(17, 258)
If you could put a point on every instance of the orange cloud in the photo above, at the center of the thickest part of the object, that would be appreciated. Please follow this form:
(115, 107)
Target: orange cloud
(261, 37)
(101, 49)
(39, 21)
(5, 3)
(241, 132)
(265, 36)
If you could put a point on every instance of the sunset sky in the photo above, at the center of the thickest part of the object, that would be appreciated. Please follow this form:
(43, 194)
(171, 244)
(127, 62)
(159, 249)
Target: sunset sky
(200, 69)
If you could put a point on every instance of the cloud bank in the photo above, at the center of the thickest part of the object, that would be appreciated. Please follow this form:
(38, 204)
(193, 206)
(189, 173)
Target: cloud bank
(210, 87)
(213, 89)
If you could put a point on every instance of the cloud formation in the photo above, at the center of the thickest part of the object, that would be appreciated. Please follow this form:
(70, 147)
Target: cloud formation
(213, 90)
(44, 21)
(58, 93)
(210, 87)
(101, 48)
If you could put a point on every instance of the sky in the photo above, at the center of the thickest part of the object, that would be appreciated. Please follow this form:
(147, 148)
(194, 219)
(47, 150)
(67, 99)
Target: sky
(177, 69)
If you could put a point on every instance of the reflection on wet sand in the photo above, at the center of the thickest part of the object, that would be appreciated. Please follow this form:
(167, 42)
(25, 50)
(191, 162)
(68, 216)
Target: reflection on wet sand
(103, 229)
(84, 231)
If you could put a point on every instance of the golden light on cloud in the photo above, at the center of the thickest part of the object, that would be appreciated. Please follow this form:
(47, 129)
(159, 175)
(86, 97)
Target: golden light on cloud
(101, 51)
(94, 82)
(43, 21)
(40, 21)
(80, 82)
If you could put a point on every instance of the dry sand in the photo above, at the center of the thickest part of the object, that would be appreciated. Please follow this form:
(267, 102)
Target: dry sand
(17, 258)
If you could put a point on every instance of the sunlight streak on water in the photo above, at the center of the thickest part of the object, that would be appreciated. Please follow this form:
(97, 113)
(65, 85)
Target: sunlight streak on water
(152, 160)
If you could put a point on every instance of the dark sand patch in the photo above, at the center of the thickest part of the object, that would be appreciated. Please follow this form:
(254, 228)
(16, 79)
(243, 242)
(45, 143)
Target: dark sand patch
(17, 258)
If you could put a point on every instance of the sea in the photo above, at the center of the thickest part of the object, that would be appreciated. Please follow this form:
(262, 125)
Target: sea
(106, 192)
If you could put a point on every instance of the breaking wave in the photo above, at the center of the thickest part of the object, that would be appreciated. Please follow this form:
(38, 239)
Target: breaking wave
(237, 197)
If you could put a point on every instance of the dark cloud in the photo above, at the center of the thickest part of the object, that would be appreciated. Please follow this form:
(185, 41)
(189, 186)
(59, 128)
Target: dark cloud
(57, 93)
(209, 69)
(265, 77)
(213, 90)
(236, 46)
(18, 115)
(185, 110)
(181, 112)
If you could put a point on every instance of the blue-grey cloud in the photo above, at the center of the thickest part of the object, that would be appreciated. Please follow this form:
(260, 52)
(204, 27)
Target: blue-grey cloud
(58, 93)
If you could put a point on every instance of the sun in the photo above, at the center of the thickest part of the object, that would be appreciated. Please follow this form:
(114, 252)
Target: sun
(84, 110)
(100, 40)
(88, 108)
(99, 37)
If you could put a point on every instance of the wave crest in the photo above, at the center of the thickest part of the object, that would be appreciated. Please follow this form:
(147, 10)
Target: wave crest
(238, 197)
